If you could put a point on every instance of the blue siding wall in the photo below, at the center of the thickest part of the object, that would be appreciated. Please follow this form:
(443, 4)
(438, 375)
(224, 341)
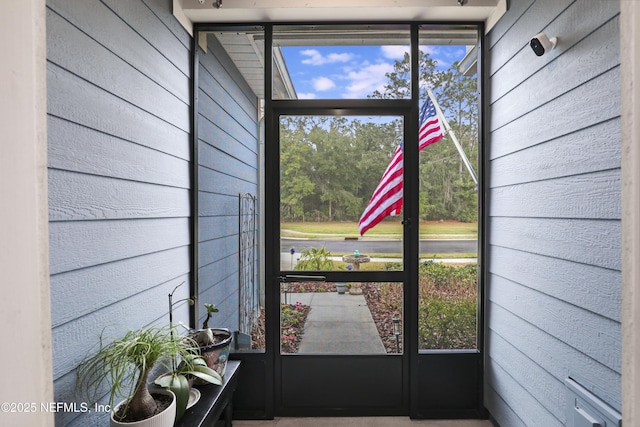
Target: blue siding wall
(554, 301)
(227, 126)
(118, 79)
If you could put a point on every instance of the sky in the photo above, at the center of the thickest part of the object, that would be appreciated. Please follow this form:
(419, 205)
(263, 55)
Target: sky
(351, 72)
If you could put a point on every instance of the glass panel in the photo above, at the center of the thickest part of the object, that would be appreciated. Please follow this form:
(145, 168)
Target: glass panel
(226, 113)
(341, 318)
(341, 62)
(448, 275)
(329, 169)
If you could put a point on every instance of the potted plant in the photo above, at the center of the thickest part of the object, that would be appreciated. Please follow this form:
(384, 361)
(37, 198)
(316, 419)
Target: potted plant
(122, 366)
(214, 343)
(181, 376)
(180, 380)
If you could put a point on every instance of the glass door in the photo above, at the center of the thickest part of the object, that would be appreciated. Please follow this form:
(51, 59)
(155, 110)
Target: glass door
(368, 271)
(353, 194)
(341, 294)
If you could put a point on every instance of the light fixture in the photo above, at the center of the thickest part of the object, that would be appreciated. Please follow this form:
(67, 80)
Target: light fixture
(395, 325)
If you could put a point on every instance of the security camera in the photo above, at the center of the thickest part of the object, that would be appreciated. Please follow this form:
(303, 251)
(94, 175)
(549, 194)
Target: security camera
(540, 43)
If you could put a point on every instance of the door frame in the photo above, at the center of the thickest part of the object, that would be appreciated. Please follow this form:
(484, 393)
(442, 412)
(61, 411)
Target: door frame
(389, 394)
(425, 393)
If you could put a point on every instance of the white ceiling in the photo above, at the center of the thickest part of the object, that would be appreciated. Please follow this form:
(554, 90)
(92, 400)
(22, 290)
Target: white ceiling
(246, 50)
(189, 12)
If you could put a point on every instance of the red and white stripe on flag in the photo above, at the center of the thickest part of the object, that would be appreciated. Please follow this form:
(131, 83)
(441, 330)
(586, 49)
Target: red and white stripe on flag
(430, 129)
(387, 197)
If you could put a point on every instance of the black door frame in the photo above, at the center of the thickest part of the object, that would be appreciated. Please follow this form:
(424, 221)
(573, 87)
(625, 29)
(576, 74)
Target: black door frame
(426, 392)
(345, 385)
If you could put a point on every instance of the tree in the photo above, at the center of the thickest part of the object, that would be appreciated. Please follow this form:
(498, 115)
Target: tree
(330, 166)
(446, 189)
(295, 184)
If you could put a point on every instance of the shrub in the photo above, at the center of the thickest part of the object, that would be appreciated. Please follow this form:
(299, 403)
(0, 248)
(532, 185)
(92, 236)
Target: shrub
(448, 306)
(315, 259)
(447, 323)
(449, 275)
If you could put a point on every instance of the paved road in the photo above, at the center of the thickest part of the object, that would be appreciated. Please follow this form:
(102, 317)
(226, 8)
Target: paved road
(369, 247)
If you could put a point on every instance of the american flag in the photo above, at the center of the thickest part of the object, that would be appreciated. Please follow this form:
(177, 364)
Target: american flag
(387, 197)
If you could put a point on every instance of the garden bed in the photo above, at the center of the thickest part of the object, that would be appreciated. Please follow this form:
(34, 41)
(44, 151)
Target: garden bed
(447, 310)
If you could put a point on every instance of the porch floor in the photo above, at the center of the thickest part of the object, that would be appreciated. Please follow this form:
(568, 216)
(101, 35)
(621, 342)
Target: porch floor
(360, 422)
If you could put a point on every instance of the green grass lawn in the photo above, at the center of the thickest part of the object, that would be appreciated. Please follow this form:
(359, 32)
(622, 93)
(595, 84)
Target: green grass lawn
(441, 229)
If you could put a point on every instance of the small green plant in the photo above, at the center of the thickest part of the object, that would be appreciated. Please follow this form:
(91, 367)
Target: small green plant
(315, 259)
(210, 310)
(205, 337)
(291, 315)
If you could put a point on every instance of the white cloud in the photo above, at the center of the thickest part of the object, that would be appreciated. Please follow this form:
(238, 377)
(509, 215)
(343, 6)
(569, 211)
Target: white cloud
(316, 58)
(367, 79)
(323, 84)
(339, 57)
(394, 52)
(431, 50)
(309, 95)
(356, 74)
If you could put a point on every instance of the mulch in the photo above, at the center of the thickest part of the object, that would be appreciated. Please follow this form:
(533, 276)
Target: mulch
(384, 305)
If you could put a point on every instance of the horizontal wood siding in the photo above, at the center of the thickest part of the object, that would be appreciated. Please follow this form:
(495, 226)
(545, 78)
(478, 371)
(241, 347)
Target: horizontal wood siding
(227, 167)
(118, 79)
(553, 288)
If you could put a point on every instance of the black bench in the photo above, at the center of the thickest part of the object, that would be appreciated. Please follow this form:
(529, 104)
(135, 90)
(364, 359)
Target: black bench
(214, 401)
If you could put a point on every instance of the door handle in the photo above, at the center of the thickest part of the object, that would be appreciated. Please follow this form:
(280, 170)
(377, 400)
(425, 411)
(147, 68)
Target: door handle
(302, 278)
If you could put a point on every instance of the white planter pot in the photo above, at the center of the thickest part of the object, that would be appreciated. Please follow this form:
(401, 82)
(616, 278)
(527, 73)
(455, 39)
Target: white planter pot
(165, 418)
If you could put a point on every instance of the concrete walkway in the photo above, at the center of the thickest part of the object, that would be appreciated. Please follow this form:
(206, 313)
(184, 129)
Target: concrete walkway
(340, 324)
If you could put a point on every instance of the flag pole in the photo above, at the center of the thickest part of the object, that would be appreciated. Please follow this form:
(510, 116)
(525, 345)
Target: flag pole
(445, 123)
